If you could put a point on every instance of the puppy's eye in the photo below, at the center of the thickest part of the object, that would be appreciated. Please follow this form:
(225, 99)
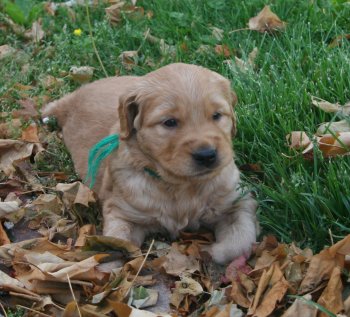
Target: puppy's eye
(217, 116)
(170, 123)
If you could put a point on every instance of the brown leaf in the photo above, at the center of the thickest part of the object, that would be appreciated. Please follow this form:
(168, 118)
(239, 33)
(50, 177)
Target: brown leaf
(129, 59)
(301, 308)
(339, 40)
(266, 21)
(123, 310)
(298, 140)
(322, 265)
(28, 110)
(30, 134)
(114, 12)
(331, 298)
(223, 50)
(36, 33)
(237, 295)
(12, 151)
(4, 239)
(6, 51)
(176, 263)
(330, 107)
(333, 127)
(81, 74)
(86, 230)
(76, 193)
(273, 296)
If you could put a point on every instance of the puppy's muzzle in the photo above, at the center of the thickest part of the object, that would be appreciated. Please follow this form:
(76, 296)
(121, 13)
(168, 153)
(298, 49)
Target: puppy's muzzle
(205, 157)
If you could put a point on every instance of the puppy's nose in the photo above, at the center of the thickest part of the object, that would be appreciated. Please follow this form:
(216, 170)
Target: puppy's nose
(205, 156)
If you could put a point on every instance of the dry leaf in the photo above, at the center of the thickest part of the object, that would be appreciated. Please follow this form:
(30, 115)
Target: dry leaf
(223, 50)
(86, 230)
(12, 151)
(4, 239)
(331, 297)
(36, 33)
(8, 207)
(28, 110)
(322, 264)
(123, 310)
(164, 48)
(81, 74)
(298, 140)
(176, 263)
(114, 12)
(76, 193)
(30, 134)
(6, 51)
(301, 308)
(339, 40)
(330, 107)
(217, 33)
(266, 21)
(334, 127)
(129, 59)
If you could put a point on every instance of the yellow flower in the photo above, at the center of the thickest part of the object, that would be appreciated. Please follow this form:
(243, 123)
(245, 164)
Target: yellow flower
(77, 32)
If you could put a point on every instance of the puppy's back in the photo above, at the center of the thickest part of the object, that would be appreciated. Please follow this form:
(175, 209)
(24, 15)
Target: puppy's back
(87, 115)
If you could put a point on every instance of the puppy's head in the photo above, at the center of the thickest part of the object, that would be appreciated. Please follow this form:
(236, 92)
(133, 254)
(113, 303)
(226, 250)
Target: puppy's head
(182, 118)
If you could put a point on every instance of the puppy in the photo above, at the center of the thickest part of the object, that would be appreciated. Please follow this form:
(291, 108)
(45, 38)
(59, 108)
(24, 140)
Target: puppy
(174, 168)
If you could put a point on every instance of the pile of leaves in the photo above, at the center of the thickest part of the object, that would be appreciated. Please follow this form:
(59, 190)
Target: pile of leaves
(94, 275)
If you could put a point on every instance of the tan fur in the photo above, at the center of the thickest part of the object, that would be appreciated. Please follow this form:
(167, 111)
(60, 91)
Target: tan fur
(186, 196)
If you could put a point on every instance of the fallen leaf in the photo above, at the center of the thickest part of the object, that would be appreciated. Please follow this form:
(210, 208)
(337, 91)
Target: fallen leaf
(36, 33)
(298, 140)
(339, 40)
(84, 231)
(244, 66)
(176, 263)
(330, 107)
(217, 33)
(6, 51)
(76, 193)
(4, 239)
(129, 59)
(334, 127)
(12, 151)
(8, 207)
(114, 12)
(141, 297)
(81, 74)
(222, 50)
(164, 48)
(322, 265)
(266, 21)
(123, 310)
(30, 134)
(301, 308)
(28, 110)
(331, 297)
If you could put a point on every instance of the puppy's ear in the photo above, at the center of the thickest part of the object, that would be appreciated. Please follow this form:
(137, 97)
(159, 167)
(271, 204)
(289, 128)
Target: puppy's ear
(234, 101)
(128, 110)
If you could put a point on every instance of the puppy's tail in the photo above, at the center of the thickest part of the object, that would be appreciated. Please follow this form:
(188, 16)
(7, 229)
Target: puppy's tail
(58, 109)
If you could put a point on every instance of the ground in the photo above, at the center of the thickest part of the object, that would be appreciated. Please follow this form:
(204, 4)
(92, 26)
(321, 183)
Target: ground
(301, 199)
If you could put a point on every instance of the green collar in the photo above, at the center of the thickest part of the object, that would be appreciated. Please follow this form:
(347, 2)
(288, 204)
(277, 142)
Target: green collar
(100, 151)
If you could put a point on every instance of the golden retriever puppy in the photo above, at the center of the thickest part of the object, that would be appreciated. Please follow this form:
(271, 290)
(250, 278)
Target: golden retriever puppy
(174, 168)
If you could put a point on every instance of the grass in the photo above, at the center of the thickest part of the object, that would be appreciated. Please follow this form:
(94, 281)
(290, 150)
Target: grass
(299, 200)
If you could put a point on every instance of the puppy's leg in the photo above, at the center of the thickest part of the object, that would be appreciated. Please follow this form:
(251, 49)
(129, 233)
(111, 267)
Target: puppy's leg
(236, 232)
(117, 227)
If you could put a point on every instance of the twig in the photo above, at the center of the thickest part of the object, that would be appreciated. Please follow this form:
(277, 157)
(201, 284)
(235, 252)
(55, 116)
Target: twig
(92, 38)
(331, 235)
(238, 30)
(75, 300)
(33, 310)
(140, 268)
(3, 309)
